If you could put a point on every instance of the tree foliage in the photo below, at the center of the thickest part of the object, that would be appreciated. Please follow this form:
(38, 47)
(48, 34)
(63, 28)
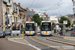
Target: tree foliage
(37, 19)
(63, 18)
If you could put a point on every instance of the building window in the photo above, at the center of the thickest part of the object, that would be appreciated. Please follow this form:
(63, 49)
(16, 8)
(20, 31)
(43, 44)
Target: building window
(73, 9)
(9, 1)
(20, 17)
(6, 19)
(8, 10)
(24, 17)
(16, 19)
(73, 3)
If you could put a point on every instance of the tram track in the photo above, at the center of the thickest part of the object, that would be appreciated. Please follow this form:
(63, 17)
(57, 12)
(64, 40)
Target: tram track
(60, 40)
(46, 44)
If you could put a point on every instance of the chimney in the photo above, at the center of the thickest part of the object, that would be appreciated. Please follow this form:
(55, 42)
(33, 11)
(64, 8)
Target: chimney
(26, 8)
(32, 10)
(18, 4)
(44, 13)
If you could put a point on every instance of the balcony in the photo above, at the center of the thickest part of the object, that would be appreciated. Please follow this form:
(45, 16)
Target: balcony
(73, 7)
(9, 4)
(73, 0)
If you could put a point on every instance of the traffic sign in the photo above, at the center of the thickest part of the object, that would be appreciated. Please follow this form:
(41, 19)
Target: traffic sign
(64, 22)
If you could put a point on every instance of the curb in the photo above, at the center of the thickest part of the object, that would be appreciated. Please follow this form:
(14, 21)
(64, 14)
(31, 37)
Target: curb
(69, 37)
(58, 36)
(15, 38)
(64, 37)
(72, 44)
(24, 43)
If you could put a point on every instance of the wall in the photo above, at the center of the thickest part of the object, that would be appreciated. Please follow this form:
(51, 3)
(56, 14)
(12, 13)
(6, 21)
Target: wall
(1, 14)
(55, 20)
(4, 11)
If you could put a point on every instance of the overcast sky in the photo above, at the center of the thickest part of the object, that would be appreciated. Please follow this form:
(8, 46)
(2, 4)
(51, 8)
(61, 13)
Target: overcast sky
(55, 7)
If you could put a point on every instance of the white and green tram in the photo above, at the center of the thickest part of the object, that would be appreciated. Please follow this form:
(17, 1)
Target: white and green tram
(30, 28)
(45, 28)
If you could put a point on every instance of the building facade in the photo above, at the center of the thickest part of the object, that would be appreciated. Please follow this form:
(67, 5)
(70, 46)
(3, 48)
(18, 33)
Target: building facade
(4, 5)
(74, 10)
(54, 19)
(4, 14)
(30, 15)
(70, 17)
(19, 13)
(44, 16)
(1, 14)
(73, 6)
(7, 12)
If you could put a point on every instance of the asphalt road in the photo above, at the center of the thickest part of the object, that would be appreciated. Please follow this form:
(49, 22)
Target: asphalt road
(44, 44)
(8, 45)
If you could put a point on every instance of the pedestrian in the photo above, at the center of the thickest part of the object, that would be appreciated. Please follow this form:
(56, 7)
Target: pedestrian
(61, 32)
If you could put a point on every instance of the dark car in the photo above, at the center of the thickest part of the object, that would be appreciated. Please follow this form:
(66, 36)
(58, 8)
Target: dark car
(7, 31)
(2, 34)
(73, 33)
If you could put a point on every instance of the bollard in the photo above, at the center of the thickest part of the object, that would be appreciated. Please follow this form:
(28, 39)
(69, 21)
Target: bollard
(22, 32)
(53, 31)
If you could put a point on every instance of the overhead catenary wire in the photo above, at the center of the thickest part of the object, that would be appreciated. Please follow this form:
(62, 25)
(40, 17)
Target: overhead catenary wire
(32, 3)
(52, 6)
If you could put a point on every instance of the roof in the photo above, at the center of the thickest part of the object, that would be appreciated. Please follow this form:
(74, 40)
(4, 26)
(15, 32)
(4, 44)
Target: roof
(46, 15)
(69, 15)
(30, 13)
(20, 7)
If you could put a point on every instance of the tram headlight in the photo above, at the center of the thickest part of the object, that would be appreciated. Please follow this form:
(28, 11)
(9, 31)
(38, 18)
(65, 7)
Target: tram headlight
(49, 32)
(43, 32)
(32, 31)
(26, 32)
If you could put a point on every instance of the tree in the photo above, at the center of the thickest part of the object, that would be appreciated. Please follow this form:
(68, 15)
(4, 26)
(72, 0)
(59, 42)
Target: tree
(63, 18)
(72, 25)
(37, 19)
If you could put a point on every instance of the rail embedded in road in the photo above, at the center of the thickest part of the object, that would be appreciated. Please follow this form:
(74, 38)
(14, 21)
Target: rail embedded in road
(62, 41)
(46, 44)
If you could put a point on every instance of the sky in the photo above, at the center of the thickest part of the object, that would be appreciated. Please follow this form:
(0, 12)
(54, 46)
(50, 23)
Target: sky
(53, 7)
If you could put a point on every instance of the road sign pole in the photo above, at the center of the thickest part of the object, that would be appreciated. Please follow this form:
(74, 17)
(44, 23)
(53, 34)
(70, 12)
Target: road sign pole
(65, 29)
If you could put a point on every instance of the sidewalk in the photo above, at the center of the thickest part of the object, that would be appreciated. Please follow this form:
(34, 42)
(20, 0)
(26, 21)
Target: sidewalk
(18, 39)
(21, 40)
(65, 37)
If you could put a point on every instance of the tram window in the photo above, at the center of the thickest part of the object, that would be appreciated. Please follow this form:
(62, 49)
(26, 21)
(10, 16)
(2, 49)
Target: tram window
(30, 27)
(46, 27)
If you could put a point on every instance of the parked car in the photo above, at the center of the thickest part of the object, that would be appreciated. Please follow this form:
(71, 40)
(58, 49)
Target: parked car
(2, 34)
(73, 33)
(7, 31)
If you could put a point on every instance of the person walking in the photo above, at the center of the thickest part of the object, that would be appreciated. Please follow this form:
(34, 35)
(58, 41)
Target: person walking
(61, 32)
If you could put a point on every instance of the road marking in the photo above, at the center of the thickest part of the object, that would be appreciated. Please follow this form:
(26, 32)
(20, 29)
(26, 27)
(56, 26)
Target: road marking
(25, 44)
(59, 48)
